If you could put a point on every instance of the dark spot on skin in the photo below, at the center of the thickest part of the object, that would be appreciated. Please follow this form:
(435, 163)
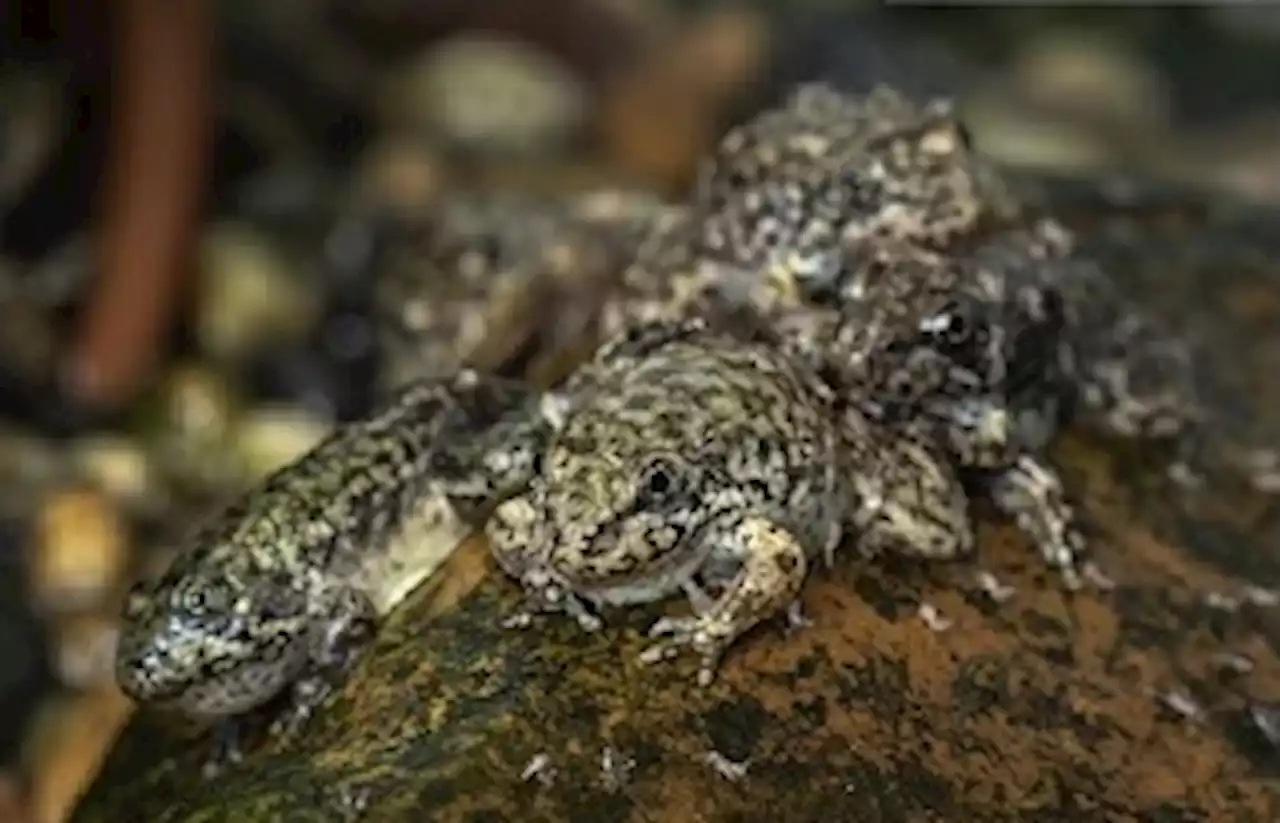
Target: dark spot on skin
(814, 712)
(1144, 614)
(1043, 625)
(871, 590)
(1252, 741)
(735, 727)
(594, 806)
(807, 666)
(881, 686)
(979, 686)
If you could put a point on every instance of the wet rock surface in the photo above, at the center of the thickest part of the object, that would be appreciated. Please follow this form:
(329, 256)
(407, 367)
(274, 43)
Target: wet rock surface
(1154, 701)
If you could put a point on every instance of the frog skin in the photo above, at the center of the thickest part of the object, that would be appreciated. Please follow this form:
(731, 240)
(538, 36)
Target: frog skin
(852, 259)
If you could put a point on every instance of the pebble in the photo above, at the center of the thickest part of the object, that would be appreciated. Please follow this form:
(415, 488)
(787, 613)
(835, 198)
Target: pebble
(84, 647)
(249, 294)
(268, 437)
(1013, 135)
(197, 409)
(659, 116)
(28, 466)
(399, 173)
(489, 96)
(120, 467)
(72, 735)
(1266, 718)
(1091, 76)
(81, 551)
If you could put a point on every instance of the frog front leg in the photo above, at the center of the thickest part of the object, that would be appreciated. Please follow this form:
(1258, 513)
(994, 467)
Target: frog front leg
(345, 626)
(772, 567)
(908, 497)
(1001, 463)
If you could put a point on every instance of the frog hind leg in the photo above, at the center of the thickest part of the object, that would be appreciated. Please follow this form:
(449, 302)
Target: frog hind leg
(773, 569)
(909, 498)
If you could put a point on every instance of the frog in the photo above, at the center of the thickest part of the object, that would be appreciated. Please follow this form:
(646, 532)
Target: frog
(690, 461)
(466, 282)
(920, 336)
(278, 593)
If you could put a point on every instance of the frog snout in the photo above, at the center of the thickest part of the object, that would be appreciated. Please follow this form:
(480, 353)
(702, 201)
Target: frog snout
(138, 675)
(145, 671)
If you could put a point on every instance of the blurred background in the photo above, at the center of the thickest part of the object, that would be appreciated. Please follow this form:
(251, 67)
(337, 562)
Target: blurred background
(214, 218)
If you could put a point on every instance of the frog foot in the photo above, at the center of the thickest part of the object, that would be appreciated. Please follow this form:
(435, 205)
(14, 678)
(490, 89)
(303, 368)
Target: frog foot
(697, 633)
(306, 696)
(545, 596)
(773, 568)
(226, 748)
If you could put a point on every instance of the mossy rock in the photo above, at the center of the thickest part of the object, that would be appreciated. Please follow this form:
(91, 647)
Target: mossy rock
(1045, 707)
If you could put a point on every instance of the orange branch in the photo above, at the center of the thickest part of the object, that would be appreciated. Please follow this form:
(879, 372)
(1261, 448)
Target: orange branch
(153, 184)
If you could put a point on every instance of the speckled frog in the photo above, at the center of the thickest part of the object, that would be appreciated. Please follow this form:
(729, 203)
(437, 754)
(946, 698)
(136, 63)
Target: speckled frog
(845, 332)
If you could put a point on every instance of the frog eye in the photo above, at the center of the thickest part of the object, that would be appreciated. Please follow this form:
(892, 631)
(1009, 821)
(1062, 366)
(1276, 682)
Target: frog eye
(659, 478)
(193, 600)
(957, 327)
(200, 599)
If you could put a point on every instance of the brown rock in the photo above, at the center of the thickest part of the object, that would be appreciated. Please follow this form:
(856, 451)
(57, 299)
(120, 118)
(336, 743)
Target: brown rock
(1046, 707)
(68, 747)
(660, 116)
(81, 552)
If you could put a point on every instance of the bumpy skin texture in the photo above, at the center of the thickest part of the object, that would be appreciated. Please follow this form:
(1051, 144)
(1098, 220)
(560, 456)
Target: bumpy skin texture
(838, 333)
(468, 284)
(282, 589)
(682, 461)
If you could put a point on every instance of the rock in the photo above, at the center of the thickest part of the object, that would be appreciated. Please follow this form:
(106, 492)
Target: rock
(1092, 77)
(399, 173)
(121, 467)
(250, 294)
(196, 410)
(74, 733)
(659, 116)
(81, 551)
(490, 96)
(84, 648)
(1031, 706)
(270, 436)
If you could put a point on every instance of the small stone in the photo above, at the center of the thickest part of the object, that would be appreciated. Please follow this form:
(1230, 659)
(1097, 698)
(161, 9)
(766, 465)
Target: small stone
(81, 551)
(399, 173)
(118, 466)
(730, 770)
(249, 293)
(489, 95)
(1011, 134)
(1181, 703)
(271, 436)
(67, 745)
(1091, 77)
(1233, 663)
(659, 116)
(933, 618)
(197, 410)
(539, 768)
(1266, 718)
(28, 465)
(84, 651)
